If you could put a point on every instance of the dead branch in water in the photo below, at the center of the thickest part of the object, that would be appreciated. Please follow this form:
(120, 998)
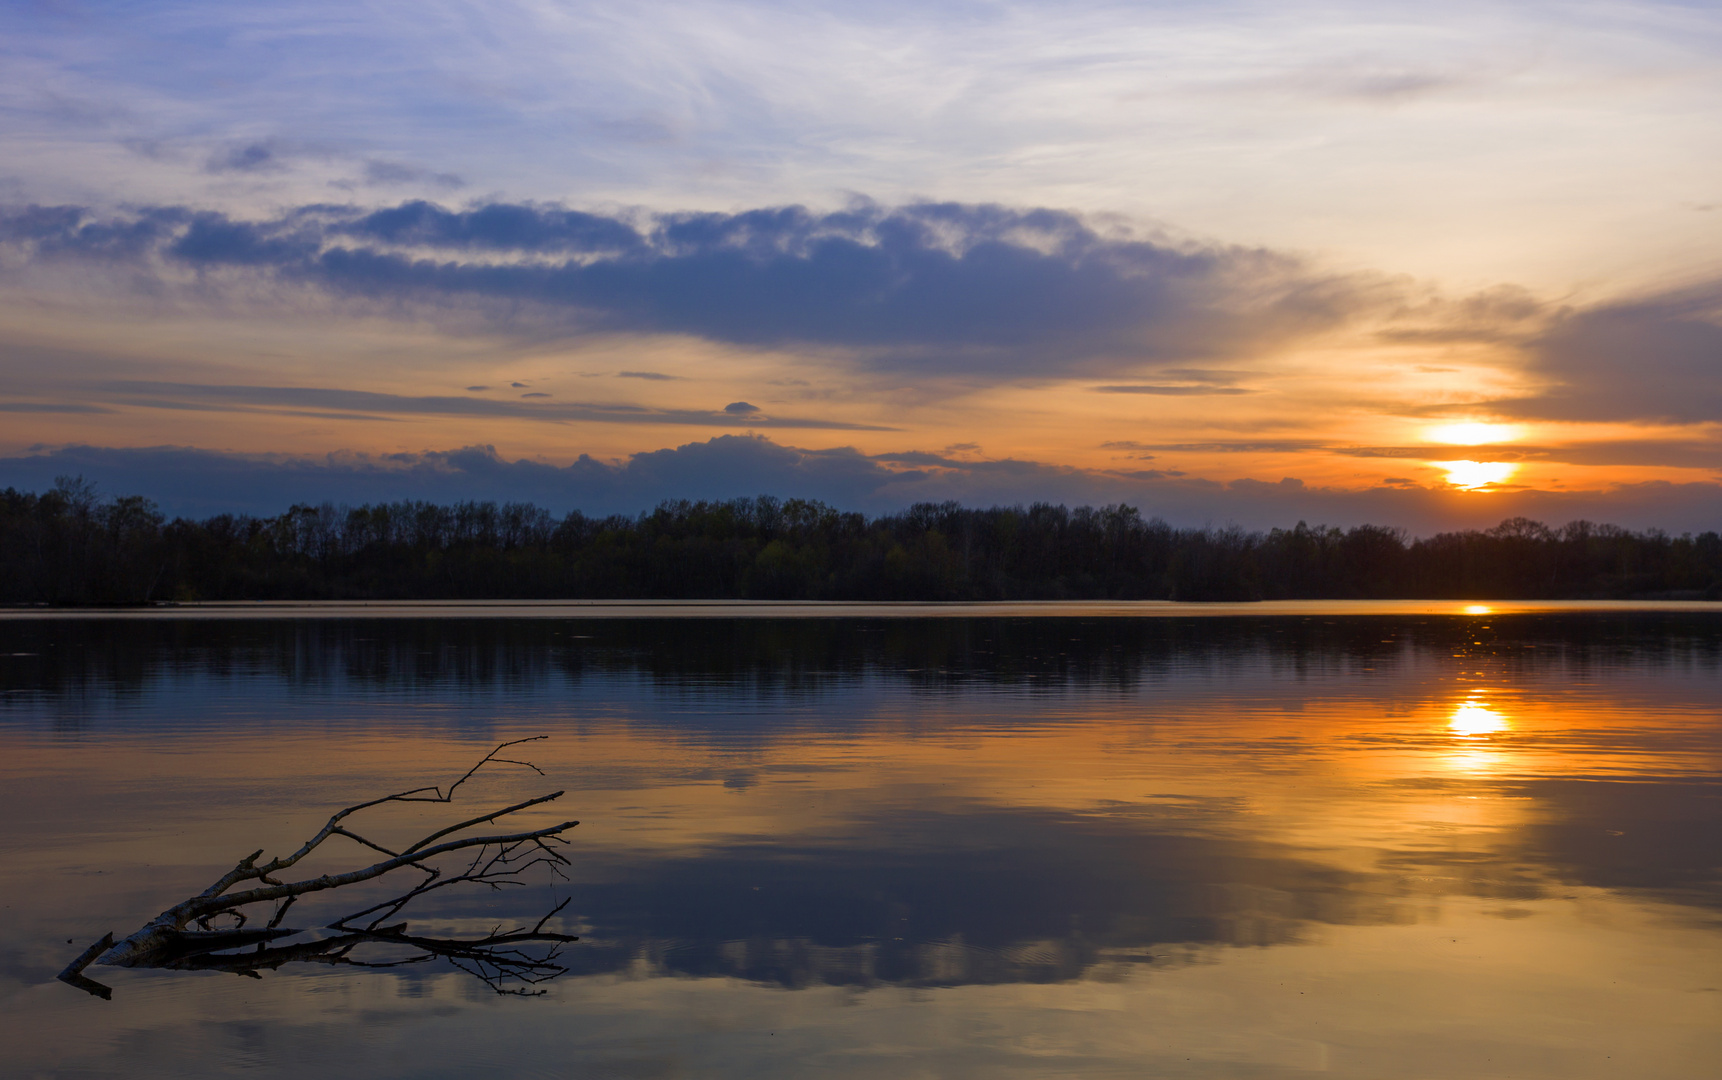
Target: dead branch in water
(498, 860)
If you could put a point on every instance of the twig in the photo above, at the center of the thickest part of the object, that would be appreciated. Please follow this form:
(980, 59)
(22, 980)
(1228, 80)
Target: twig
(497, 861)
(74, 971)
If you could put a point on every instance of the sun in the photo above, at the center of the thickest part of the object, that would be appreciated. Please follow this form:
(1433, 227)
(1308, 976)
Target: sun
(1472, 475)
(1472, 434)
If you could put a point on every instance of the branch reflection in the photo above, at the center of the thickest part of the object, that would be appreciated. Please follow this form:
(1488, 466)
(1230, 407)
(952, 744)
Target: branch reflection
(504, 960)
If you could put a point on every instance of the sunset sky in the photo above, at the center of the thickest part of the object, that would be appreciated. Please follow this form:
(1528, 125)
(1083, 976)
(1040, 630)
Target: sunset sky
(1422, 265)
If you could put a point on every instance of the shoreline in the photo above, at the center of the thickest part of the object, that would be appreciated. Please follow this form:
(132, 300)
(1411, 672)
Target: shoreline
(838, 609)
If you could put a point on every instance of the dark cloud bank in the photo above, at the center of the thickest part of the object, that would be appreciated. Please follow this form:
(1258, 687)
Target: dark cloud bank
(973, 291)
(195, 482)
(977, 291)
(1656, 359)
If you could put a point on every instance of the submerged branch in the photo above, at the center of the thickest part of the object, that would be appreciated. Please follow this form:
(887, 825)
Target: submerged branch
(498, 860)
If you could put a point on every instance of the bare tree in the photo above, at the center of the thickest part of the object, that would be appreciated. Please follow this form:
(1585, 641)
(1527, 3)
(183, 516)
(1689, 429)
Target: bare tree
(501, 958)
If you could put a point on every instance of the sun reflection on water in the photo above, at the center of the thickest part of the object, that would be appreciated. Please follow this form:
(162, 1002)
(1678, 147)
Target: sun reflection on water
(1474, 759)
(1474, 719)
(1471, 723)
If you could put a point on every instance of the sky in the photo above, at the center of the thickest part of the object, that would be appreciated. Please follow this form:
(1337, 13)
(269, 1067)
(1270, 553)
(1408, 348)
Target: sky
(1421, 265)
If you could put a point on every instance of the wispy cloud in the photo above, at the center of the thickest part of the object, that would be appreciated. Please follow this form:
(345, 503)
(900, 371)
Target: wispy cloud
(1271, 446)
(1668, 452)
(169, 395)
(1171, 390)
(247, 158)
(1340, 122)
(49, 407)
(397, 173)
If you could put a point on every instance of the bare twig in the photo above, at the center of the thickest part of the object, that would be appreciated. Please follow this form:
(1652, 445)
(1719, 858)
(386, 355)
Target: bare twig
(74, 971)
(440, 833)
(497, 861)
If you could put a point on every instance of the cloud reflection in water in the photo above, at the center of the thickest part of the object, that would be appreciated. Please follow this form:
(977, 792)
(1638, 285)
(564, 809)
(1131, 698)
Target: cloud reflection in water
(1237, 836)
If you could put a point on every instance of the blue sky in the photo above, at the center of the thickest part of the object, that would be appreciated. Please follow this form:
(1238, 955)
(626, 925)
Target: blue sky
(1339, 245)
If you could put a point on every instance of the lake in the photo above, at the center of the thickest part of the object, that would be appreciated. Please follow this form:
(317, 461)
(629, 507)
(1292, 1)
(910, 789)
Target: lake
(1391, 840)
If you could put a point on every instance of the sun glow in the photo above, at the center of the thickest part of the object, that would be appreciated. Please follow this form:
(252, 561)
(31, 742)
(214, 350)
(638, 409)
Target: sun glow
(1474, 719)
(1472, 434)
(1472, 475)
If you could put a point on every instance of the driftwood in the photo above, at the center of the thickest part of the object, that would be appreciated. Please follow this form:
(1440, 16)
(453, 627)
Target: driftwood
(182, 938)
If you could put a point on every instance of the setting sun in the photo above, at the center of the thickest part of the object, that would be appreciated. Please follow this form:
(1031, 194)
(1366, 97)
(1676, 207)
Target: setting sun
(1472, 475)
(1472, 434)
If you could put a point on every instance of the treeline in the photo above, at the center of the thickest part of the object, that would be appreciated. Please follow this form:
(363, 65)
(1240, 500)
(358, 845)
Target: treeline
(70, 546)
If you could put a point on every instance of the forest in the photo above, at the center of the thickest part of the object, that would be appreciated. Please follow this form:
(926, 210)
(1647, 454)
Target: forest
(72, 546)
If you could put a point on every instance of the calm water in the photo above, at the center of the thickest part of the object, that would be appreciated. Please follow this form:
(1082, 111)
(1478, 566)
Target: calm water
(1390, 845)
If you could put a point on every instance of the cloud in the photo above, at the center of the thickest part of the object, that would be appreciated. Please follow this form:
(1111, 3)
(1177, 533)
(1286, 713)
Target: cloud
(1676, 453)
(186, 480)
(977, 291)
(837, 889)
(497, 227)
(1274, 446)
(1037, 101)
(195, 396)
(1205, 375)
(934, 291)
(1668, 453)
(49, 407)
(387, 173)
(245, 158)
(198, 482)
(740, 408)
(1172, 391)
(1651, 359)
(920, 457)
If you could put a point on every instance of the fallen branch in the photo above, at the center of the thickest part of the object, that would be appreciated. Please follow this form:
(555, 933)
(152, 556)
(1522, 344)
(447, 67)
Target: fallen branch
(167, 941)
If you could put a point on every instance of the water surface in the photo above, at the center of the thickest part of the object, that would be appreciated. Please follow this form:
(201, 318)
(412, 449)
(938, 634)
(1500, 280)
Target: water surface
(1408, 843)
